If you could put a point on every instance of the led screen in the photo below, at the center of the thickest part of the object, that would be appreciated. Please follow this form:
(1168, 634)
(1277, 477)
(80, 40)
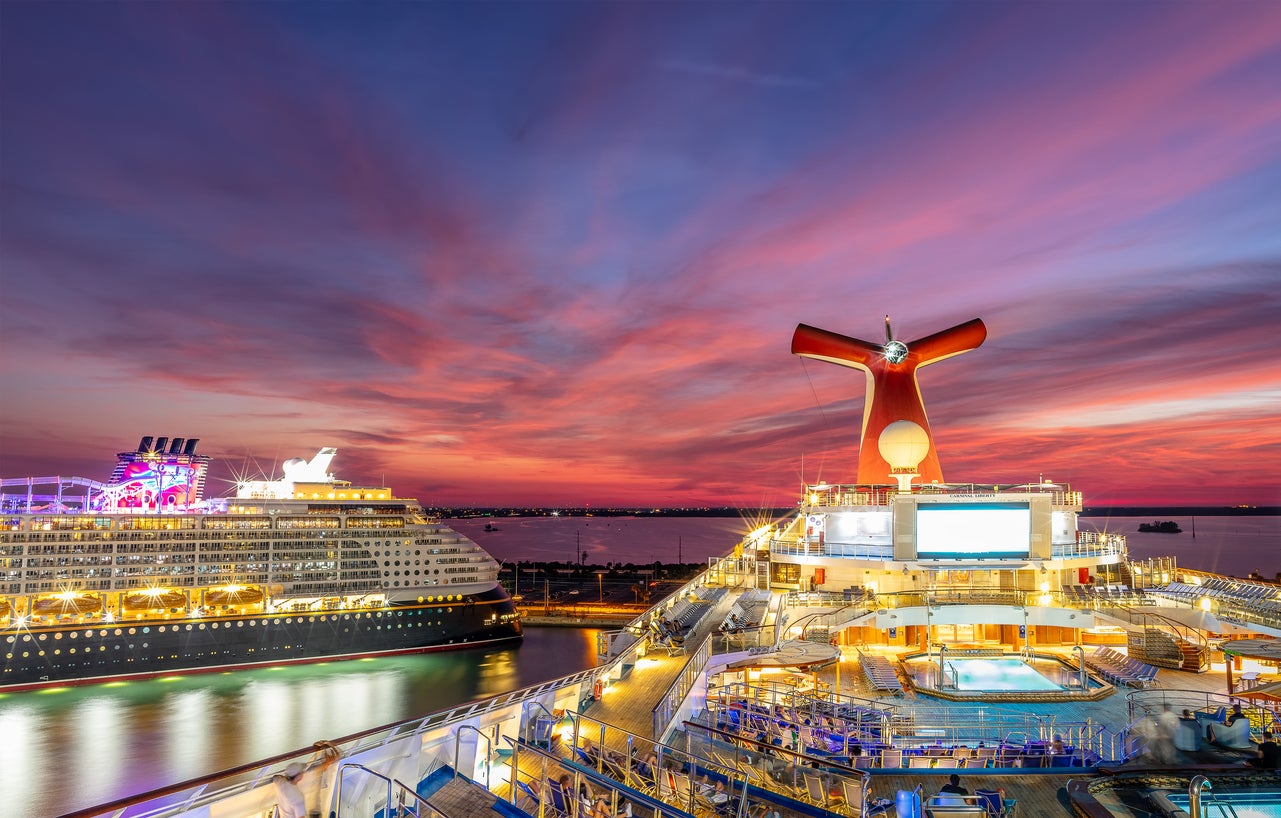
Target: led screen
(973, 530)
(146, 485)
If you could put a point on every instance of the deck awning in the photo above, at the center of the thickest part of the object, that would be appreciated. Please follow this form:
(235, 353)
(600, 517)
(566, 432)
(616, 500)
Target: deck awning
(793, 653)
(1269, 649)
(1269, 690)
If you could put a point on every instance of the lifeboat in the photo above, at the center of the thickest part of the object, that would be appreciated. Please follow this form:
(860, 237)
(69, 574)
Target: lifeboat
(66, 604)
(232, 596)
(155, 600)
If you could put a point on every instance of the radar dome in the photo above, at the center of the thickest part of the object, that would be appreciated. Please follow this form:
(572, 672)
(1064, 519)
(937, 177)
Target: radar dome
(903, 444)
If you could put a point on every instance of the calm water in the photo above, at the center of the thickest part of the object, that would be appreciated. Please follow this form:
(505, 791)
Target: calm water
(1227, 545)
(606, 539)
(78, 747)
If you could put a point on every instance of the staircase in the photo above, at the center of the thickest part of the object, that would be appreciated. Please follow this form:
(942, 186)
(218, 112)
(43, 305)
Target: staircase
(1196, 658)
(464, 799)
(1155, 647)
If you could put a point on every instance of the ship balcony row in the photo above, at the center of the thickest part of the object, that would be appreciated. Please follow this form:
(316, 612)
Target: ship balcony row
(826, 496)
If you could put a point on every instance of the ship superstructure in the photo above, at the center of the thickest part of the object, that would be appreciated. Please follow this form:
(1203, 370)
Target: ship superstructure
(147, 549)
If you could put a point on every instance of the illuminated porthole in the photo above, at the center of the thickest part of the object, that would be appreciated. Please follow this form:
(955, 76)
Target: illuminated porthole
(118, 631)
(42, 636)
(132, 631)
(57, 636)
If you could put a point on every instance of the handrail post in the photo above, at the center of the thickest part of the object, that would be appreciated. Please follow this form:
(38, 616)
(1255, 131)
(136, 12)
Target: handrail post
(1199, 784)
(458, 737)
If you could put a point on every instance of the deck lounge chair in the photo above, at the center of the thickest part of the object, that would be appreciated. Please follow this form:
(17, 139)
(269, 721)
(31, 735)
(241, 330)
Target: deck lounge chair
(996, 805)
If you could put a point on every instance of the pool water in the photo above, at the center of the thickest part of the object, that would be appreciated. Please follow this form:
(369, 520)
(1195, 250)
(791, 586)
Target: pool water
(1243, 803)
(997, 675)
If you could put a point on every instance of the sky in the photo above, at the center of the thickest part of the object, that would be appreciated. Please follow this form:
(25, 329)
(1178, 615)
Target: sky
(553, 253)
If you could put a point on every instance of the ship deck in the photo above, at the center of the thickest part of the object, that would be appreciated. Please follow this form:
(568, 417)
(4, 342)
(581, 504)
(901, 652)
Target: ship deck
(628, 705)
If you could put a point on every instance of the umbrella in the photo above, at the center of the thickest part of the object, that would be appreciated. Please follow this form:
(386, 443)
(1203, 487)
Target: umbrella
(1270, 690)
(1253, 648)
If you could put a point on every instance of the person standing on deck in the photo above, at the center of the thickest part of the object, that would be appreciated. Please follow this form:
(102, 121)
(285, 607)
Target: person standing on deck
(290, 802)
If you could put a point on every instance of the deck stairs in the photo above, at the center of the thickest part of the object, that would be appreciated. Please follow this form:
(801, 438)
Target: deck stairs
(461, 797)
(1163, 649)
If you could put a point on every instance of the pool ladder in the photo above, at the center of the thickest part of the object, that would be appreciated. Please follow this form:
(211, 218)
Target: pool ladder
(1199, 807)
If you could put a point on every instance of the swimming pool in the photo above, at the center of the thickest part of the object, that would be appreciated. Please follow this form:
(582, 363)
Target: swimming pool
(1244, 803)
(1002, 678)
(993, 675)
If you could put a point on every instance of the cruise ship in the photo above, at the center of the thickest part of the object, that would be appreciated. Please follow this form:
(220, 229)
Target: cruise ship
(895, 631)
(143, 576)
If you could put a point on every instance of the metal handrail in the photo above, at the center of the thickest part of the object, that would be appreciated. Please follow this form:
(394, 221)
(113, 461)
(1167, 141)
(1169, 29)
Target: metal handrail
(400, 788)
(458, 741)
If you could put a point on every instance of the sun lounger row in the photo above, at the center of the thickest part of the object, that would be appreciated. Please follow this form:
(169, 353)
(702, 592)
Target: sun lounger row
(1120, 669)
(880, 673)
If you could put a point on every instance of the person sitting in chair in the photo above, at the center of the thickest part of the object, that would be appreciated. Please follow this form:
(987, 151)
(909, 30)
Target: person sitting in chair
(953, 786)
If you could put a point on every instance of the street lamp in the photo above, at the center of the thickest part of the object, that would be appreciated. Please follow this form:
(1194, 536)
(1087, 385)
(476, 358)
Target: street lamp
(600, 582)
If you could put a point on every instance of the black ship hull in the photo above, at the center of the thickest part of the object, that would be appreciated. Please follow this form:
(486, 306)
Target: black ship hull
(85, 654)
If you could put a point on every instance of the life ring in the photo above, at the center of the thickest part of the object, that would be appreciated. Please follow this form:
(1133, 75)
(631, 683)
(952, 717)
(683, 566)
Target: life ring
(597, 689)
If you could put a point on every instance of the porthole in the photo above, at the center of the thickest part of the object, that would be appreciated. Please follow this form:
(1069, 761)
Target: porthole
(132, 631)
(57, 636)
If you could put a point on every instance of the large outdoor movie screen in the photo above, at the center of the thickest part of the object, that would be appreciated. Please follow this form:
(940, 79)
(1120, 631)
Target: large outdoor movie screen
(949, 531)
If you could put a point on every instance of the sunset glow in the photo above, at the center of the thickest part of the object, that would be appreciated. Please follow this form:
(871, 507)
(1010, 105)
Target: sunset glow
(554, 253)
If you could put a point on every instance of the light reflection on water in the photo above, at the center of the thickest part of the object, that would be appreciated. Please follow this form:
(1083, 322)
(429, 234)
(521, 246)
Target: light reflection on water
(78, 747)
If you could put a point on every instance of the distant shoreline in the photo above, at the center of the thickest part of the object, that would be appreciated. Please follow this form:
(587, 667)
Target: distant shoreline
(775, 513)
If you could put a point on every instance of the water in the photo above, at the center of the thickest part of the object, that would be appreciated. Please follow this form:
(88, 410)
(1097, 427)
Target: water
(76, 747)
(1232, 545)
(997, 675)
(1245, 803)
(637, 540)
